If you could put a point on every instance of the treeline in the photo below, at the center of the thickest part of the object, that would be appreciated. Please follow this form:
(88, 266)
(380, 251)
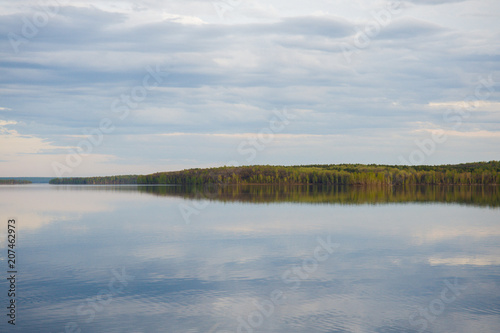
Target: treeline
(480, 173)
(14, 182)
(111, 180)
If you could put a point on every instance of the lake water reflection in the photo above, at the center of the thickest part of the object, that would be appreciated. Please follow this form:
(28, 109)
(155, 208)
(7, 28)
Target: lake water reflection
(253, 259)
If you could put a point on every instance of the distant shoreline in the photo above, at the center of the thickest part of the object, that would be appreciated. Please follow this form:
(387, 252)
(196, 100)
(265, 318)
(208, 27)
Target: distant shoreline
(14, 182)
(477, 173)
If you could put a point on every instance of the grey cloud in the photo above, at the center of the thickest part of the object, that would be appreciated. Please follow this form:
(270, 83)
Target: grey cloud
(434, 2)
(405, 28)
(306, 25)
(90, 15)
(78, 27)
(67, 24)
(68, 75)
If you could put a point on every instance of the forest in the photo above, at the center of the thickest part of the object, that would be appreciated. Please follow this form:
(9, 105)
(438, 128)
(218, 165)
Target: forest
(478, 173)
(14, 182)
(110, 180)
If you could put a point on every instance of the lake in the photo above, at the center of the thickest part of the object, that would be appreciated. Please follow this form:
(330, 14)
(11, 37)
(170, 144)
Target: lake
(251, 259)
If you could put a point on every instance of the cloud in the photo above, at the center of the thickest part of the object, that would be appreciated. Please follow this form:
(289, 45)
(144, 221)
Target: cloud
(246, 136)
(305, 25)
(482, 260)
(470, 134)
(6, 122)
(408, 27)
(478, 105)
(183, 19)
(225, 76)
(434, 2)
(13, 143)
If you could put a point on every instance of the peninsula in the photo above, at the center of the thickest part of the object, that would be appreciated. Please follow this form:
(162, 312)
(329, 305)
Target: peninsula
(14, 182)
(477, 173)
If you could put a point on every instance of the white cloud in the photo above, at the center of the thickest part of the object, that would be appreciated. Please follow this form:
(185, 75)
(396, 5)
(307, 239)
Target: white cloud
(13, 144)
(464, 134)
(478, 105)
(253, 135)
(482, 260)
(6, 122)
(183, 19)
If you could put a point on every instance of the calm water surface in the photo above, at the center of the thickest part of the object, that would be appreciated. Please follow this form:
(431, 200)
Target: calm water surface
(252, 259)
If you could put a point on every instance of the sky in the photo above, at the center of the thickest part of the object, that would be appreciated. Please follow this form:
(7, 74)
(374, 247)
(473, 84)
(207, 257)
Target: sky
(95, 88)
